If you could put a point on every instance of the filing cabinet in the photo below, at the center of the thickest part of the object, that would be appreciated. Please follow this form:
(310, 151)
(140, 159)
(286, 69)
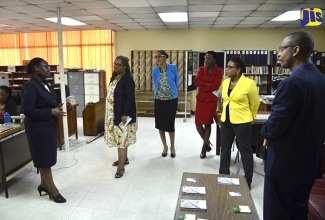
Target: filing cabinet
(76, 86)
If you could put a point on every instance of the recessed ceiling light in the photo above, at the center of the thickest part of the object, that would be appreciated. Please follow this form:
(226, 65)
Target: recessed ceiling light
(173, 17)
(288, 16)
(66, 21)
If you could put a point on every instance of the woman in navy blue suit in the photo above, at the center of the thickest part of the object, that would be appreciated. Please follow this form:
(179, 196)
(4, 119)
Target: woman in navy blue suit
(39, 104)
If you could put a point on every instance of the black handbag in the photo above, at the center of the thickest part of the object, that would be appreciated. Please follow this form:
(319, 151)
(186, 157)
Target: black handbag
(261, 151)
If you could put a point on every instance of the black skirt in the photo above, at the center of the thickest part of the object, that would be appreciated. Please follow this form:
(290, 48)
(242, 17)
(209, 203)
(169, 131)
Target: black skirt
(42, 143)
(165, 114)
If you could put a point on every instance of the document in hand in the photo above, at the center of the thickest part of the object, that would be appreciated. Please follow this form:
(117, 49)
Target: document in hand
(193, 204)
(194, 190)
(228, 181)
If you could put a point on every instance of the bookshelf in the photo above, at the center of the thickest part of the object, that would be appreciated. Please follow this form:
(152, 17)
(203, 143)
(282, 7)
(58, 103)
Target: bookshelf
(18, 76)
(142, 63)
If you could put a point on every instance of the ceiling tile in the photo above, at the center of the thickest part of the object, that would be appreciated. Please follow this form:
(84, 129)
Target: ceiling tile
(137, 10)
(92, 4)
(87, 18)
(104, 11)
(206, 2)
(203, 14)
(230, 18)
(202, 19)
(279, 6)
(25, 8)
(171, 9)
(206, 8)
(129, 3)
(47, 14)
(157, 3)
(11, 3)
(237, 13)
(146, 16)
(240, 7)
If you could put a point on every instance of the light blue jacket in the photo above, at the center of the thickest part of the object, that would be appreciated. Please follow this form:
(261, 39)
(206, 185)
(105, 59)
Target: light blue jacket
(172, 75)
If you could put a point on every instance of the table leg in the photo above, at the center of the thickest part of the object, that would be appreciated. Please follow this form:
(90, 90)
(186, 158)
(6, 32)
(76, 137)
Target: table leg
(218, 140)
(4, 175)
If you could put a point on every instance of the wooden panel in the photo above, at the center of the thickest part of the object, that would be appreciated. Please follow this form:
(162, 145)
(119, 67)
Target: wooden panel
(72, 124)
(94, 118)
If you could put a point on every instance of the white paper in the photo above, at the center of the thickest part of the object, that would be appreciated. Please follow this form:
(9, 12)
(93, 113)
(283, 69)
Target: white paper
(245, 209)
(194, 180)
(216, 93)
(194, 190)
(228, 181)
(193, 204)
(235, 193)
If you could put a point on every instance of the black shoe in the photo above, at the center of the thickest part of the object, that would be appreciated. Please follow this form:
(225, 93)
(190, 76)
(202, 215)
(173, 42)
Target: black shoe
(173, 155)
(164, 154)
(58, 199)
(41, 189)
(202, 156)
(209, 146)
(115, 164)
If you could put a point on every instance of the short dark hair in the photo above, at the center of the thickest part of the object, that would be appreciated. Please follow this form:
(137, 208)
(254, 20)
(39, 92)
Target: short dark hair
(7, 90)
(162, 52)
(214, 54)
(304, 40)
(34, 62)
(239, 63)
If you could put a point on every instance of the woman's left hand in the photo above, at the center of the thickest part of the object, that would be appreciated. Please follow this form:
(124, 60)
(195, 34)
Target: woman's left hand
(123, 118)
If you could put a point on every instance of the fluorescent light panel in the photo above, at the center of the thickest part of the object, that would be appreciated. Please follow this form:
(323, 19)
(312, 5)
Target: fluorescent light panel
(288, 16)
(66, 21)
(173, 17)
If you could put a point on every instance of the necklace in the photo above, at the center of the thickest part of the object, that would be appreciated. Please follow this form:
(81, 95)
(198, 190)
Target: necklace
(232, 83)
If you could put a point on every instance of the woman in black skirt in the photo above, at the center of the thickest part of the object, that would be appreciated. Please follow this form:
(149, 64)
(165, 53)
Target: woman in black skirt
(165, 79)
(42, 110)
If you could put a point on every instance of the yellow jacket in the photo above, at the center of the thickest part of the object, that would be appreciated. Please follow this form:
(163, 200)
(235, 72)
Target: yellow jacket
(243, 101)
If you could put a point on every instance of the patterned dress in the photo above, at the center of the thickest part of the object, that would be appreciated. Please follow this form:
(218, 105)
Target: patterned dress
(116, 135)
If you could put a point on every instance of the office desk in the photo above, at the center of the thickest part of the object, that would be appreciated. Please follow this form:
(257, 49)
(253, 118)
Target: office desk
(257, 125)
(219, 202)
(14, 154)
(72, 124)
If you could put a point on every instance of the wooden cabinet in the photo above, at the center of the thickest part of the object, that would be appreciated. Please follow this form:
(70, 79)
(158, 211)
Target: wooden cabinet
(94, 118)
(72, 125)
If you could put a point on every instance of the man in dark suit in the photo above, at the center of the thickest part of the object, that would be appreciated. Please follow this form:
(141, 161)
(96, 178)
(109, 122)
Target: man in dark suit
(294, 132)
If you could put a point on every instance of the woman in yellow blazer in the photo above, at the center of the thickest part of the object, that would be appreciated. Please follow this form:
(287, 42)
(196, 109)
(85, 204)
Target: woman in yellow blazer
(240, 105)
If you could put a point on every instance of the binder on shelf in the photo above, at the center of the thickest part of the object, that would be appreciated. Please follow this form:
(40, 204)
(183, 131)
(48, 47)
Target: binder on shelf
(258, 57)
(273, 57)
(314, 57)
(322, 59)
(264, 56)
(250, 57)
(243, 55)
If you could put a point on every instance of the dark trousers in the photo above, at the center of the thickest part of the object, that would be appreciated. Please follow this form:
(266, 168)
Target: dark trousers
(242, 132)
(285, 201)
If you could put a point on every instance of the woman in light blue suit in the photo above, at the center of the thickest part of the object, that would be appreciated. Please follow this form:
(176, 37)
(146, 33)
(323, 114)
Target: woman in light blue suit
(165, 79)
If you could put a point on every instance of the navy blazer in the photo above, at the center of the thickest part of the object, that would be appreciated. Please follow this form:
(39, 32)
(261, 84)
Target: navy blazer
(124, 99)
(37, 104)
(296, 127)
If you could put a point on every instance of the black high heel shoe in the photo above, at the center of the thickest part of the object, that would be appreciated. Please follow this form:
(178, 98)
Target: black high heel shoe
(164, 154)
(202, 156)
(41, 189)
(209, 146)
(58, 199)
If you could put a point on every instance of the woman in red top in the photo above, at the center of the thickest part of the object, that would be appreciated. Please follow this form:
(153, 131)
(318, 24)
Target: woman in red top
(207, 80)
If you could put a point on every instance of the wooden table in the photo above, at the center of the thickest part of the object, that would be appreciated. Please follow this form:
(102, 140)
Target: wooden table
(257, 123)
(14, 154)
(219, 202)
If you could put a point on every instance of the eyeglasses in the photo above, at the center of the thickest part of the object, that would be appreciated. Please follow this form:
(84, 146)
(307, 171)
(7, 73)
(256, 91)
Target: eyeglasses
(159, 56)
(231, 67)
(45, 66)
(117, 64)
(282, 48)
